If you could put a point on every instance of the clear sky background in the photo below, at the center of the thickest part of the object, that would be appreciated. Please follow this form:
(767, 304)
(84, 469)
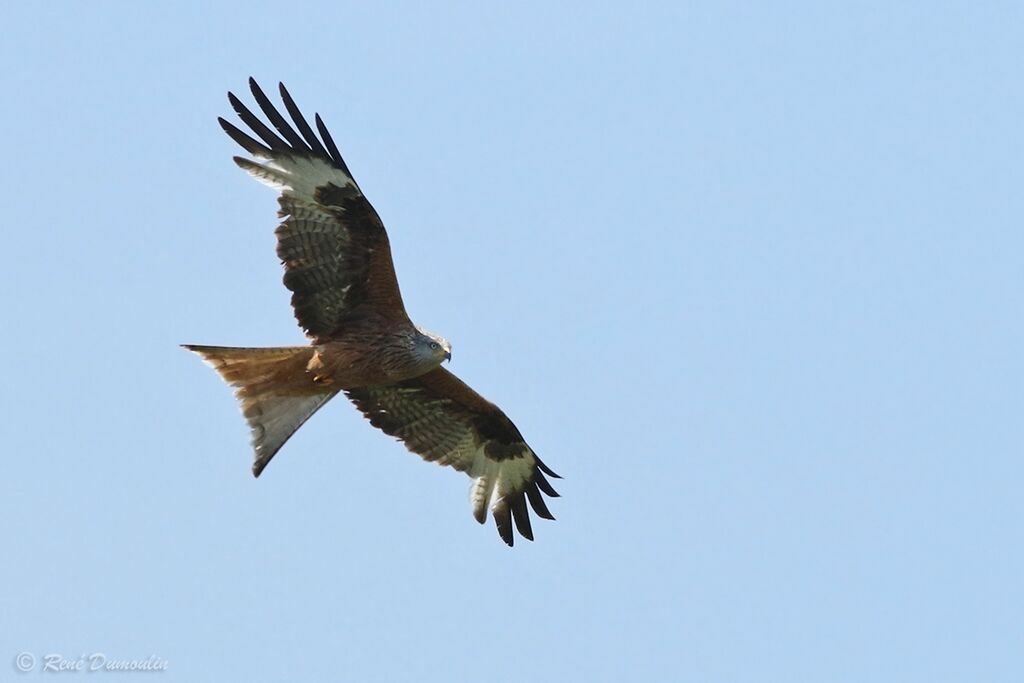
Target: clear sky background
(749, 275)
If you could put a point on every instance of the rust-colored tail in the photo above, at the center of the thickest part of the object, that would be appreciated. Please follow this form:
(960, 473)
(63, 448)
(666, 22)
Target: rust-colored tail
(276, 393)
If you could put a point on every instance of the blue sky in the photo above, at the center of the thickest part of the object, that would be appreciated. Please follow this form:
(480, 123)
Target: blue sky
(749, 275)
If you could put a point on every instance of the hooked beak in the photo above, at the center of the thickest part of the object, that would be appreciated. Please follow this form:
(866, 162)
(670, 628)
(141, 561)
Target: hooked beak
(448, 356)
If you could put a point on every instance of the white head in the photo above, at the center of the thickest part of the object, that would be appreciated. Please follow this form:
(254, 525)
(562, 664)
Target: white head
(431, 348)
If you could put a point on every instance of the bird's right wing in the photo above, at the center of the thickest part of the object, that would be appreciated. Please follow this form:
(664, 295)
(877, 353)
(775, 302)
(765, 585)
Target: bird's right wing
(334, 248)
(443, 420)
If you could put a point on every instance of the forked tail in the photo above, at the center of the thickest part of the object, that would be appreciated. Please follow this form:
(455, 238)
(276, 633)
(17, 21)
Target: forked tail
(276, 393)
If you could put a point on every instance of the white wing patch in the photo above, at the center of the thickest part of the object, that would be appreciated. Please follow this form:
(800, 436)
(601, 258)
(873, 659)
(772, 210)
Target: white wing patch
(296, 176)
(493, 480)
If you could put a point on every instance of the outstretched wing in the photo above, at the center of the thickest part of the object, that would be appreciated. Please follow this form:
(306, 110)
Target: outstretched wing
(443, 420)
(335, 250)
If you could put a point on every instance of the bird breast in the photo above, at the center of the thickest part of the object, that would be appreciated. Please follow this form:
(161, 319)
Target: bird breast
(351, 363)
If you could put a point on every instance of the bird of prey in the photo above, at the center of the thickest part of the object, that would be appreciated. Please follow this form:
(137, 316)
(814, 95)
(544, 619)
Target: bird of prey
(337, 264)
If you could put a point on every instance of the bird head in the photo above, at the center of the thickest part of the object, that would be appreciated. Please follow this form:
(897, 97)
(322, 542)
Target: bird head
(433, 347)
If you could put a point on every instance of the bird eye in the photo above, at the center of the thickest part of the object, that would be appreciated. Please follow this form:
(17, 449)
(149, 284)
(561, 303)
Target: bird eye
(434, 346)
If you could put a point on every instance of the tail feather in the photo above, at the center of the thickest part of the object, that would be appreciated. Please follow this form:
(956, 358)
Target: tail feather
(276, 393)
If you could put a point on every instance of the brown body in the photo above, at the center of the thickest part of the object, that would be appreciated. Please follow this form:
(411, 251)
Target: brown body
(306, 370)
(366, 358)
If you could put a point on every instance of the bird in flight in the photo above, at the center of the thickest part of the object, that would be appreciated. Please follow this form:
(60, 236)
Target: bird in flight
(338, 266)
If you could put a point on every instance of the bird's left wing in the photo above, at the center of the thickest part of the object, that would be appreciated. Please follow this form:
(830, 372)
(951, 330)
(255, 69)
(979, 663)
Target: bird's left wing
(443, 420)
(334, 248)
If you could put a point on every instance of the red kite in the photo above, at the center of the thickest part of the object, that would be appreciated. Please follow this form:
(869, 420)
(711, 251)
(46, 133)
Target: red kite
(337, 264)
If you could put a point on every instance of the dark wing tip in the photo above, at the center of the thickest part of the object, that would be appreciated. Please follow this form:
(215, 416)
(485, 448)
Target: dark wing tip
(245, 141)
(236, 103)
(332, 148)
(300, 122)
(547, 470)
(269, 138)
(544, 484)
(503, 520)
(521, 515)
(279, 122)
(247, 165)
(537, 501)
(512, 509)
(256, 90)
